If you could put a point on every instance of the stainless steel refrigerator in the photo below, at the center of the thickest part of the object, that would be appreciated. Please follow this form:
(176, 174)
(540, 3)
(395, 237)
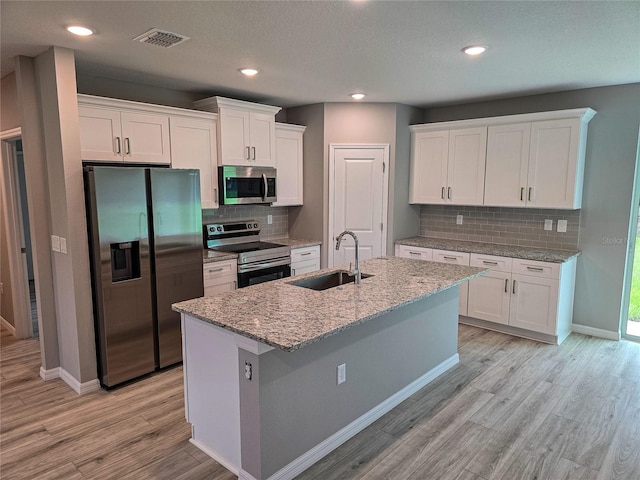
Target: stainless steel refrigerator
(145, 245)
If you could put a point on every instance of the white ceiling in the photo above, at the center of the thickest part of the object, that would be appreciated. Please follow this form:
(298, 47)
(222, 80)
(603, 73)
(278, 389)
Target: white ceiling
(321, 51)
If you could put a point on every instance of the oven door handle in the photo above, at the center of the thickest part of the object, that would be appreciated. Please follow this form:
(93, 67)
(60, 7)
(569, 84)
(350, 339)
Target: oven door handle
(264, 265)
(264, 187)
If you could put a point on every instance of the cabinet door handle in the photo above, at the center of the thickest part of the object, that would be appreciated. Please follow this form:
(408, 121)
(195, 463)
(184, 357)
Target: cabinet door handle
(506, 285)
(522, 194)
(442, 194)
(449, 193)
(118, 146)
(514, 287)
(214, 270)
(248, 153)
(127, 146)
(293, 272)
(536, 269)
(530, 193)
(215, 196)
(254, 152)
(235, 284)
(487, 262)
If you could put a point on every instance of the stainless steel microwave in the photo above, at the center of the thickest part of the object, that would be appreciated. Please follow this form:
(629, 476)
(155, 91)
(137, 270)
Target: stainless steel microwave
(243, 185)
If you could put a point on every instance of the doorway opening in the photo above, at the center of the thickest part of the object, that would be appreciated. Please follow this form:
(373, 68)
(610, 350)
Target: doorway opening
(632, 328)
(18, 273)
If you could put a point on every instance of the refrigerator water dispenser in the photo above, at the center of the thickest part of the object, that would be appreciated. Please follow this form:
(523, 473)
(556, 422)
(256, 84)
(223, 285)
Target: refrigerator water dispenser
(125, 261)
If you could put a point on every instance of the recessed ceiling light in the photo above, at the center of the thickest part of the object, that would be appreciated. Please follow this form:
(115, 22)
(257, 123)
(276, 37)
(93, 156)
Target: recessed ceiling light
(474, 49)
(357, 96)
(249, 72)
(80, 30)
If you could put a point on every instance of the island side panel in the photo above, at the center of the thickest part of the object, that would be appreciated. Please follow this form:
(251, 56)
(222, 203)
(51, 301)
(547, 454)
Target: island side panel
(211, 390)
(294, 398)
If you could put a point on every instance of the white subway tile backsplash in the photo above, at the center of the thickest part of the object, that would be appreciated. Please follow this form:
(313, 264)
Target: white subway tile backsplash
(278, 229)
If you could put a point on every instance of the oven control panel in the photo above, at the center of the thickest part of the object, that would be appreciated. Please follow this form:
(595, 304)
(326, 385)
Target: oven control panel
(213, 230)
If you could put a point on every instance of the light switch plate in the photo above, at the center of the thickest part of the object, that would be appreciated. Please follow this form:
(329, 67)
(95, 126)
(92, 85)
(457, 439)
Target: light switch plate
(342, 373)
(459, 220)
(63, 245)
(562, 226)
(548, 224)
(55, 243)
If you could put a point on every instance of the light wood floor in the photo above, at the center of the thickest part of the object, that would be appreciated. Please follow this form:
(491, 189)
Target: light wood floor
(512, 409)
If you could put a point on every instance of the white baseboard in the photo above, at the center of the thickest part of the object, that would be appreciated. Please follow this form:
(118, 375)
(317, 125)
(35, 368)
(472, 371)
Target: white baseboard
(79, 388)
(307, 459)
(8, 326)
(595, 332)
(218, 458)
(50, 374)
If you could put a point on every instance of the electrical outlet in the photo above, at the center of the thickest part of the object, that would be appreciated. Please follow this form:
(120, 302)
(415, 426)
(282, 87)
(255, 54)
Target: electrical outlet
(459, 220)
(342, 373)
(55, 243)
(63, 245)
(269, 219)
(1, 288)
(548, 224)
(562, 226)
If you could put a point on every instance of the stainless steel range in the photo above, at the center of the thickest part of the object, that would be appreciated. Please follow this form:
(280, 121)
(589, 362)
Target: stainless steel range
(258, 261)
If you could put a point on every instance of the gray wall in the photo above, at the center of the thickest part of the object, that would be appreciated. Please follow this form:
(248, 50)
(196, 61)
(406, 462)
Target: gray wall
(293, 402)
(9, 108)
(607, 205)
(307, 221)
(404, 219)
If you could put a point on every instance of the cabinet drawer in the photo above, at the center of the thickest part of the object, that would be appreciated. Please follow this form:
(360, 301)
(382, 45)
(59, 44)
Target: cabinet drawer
(214, 271)
(492, 262)
(304, 254)
(536, 269)
(418, 253)
(446, 256)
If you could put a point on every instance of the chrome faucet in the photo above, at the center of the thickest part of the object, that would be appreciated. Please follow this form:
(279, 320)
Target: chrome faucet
(356, 271)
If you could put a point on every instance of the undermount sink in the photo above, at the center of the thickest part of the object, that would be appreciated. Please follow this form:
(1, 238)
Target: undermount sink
(328, 280)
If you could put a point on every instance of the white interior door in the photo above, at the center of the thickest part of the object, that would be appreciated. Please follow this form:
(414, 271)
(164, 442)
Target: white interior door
(359, 180)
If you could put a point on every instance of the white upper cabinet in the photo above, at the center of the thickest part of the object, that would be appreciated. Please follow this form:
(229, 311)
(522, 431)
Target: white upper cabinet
(119, 131)
(507, 165)
(533, 160)
(289, 164)
(556, 170)
(246, 131)
(193, 145)
(448, 165)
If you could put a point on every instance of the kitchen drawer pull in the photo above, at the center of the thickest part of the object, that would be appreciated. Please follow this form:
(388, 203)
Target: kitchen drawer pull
(506, 285)
(487, 262)
(449, 258)
(530, 193)
(118, 146)
(254, 153)
(415, 253)
(522, 194)
(305, 254)
(442, 194)
(536, 269)
(214, 270)
(449, 193)
(127, 146)
(514, 287)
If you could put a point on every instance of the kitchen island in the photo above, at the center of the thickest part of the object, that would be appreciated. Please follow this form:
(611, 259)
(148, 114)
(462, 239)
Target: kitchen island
(277, 375)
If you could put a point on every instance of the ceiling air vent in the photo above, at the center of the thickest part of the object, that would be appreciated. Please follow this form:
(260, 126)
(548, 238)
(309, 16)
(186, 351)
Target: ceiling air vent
(161, 38)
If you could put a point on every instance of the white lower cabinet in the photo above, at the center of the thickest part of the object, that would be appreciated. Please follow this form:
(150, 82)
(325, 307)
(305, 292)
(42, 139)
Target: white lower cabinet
(525, 294)
(305, 260)
(440, 256)
(456, 258)
(220, 277)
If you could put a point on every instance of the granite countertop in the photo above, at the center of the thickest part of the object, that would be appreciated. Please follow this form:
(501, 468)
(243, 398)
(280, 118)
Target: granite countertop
(295, 242)
(513, 251)
(210, 256)
(289, 317)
